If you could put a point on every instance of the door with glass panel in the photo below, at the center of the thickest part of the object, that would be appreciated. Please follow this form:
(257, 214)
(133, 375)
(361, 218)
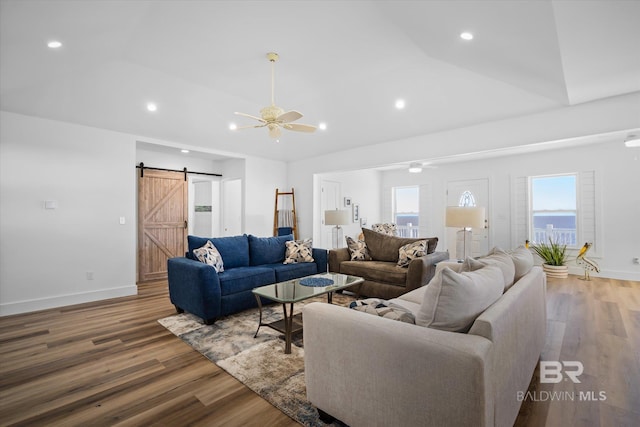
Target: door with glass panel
(475, 193)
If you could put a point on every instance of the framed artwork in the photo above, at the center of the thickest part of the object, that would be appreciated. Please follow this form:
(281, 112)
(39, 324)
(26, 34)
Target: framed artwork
(356, 212)
(347, 201)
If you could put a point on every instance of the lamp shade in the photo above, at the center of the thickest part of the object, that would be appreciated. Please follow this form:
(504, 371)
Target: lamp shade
(337, 217)
(464, 217)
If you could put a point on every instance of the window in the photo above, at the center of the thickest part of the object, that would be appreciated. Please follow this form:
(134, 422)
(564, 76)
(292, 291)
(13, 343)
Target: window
(467, 199)
(406, 202)
(554, 209)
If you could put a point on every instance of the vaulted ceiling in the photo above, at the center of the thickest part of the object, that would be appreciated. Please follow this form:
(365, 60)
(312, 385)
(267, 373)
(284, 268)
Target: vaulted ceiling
(343, 63)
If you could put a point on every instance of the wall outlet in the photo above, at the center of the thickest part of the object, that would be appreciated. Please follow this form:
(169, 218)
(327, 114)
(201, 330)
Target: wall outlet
(89, 275)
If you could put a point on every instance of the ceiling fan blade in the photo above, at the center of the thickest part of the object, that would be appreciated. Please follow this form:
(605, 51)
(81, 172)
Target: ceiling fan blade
(251, 126)
(251, 117)
(299, 127)
(289, 116)
(274, 131)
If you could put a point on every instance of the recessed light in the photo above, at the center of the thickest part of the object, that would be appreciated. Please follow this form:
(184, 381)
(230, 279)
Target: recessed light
(322, 126)
(233, 126)
(466, 36)
(400, 104)
(151, 106)
(184, 151)
(54, 44)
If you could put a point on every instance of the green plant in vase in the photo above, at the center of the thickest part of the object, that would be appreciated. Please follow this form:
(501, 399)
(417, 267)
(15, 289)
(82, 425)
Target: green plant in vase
(554, 257)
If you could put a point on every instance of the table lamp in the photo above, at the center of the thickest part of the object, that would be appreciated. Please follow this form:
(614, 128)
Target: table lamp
(465, 217)
(337, 218)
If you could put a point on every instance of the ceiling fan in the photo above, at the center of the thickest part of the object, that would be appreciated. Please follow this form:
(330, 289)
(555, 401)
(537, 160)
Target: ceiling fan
(273, 117)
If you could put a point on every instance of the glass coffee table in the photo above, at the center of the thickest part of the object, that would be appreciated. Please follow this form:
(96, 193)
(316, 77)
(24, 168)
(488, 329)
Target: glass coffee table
(296, 290)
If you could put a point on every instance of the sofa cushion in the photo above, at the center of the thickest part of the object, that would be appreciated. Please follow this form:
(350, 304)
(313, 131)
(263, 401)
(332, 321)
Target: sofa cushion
(410, 251)
(286, 272)
(376, 271)
(497, 256)
(267, 250)
(452, 301)
(358, 250)
(245, 278)
(209, 255)
(234, 250)
(522, 260)
(384, 248)
(298, 251)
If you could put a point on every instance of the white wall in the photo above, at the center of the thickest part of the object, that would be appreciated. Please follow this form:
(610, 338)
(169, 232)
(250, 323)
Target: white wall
(363, 187)
(555, 127)
(617, 199)
(262, 177)
(45, 254)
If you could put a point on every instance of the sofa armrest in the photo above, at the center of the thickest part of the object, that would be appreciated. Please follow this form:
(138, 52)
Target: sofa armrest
(320, 258)
(336, 256)
(422, 269)
(194, 287)
(394, 373)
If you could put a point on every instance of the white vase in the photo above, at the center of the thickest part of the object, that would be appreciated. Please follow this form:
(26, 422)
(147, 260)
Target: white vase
(556, 271)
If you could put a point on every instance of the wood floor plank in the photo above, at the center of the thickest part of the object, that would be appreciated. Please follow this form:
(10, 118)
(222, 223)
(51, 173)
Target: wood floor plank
(110, 363)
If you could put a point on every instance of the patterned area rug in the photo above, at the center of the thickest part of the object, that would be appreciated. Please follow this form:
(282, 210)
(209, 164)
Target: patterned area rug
(259, 363)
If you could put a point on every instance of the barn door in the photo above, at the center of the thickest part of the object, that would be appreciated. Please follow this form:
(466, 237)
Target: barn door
(162, 221)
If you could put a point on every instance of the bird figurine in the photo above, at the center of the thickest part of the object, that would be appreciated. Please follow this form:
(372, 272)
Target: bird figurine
(586, 263)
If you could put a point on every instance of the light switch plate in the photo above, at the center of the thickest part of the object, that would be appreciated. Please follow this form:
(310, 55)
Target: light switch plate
(50, 204)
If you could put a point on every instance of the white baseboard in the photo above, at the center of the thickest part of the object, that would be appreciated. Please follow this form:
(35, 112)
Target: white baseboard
(608, 274)
(28, 306)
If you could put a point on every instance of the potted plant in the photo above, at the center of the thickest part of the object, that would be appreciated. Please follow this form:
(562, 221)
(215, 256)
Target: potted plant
(554, 257)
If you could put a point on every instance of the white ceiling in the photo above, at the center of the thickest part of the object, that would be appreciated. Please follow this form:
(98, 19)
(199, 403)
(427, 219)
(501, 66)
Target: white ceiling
(344, 63)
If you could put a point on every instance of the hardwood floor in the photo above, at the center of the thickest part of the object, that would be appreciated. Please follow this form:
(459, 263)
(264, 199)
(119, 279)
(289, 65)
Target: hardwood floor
(111, 363)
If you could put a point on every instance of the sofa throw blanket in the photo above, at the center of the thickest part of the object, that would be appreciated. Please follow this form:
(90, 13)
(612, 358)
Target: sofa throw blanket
(383, 308)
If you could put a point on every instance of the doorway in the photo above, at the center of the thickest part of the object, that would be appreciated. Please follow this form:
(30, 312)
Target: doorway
(231, 207)
(162, 221)
(474, 192)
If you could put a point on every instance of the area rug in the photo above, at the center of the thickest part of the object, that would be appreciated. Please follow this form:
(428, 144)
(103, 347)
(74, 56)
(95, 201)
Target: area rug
(259, 363)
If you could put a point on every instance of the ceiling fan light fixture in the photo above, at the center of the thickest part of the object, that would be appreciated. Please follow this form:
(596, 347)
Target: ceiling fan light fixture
(632, 141)
(415, 168)
(273, 117)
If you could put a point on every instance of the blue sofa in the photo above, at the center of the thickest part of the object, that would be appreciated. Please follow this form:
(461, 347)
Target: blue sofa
(249, 262)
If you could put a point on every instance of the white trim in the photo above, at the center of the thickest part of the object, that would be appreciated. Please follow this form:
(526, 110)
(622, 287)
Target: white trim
(37, 304)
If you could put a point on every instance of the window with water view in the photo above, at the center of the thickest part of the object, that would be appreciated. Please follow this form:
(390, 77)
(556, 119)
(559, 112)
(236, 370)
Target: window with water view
(406, 210)
(554, 209)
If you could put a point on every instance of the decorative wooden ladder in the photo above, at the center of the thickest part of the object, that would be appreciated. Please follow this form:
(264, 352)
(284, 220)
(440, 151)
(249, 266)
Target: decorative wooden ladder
(285, 219)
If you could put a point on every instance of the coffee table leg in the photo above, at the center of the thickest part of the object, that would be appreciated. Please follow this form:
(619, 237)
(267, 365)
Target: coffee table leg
(259, 321)
(330, 297)
(288, 327)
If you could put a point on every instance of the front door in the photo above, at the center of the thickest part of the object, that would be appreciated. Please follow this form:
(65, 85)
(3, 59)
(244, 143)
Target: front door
(474, 192)
(162, 221)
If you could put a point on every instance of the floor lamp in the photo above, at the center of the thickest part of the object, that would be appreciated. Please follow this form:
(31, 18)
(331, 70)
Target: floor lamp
(465, 217)
(337, 218)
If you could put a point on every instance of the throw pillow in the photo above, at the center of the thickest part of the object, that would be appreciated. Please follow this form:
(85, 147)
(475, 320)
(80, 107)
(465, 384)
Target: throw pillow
(390, 229)
(452, 301)
(497, 256)
(411, 251)
(384, 309)
(210, 256)
(523, 261)
(358, 250)
(298, 251)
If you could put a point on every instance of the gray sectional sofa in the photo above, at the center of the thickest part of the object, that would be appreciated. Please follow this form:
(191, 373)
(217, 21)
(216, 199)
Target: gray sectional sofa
(393, 373)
